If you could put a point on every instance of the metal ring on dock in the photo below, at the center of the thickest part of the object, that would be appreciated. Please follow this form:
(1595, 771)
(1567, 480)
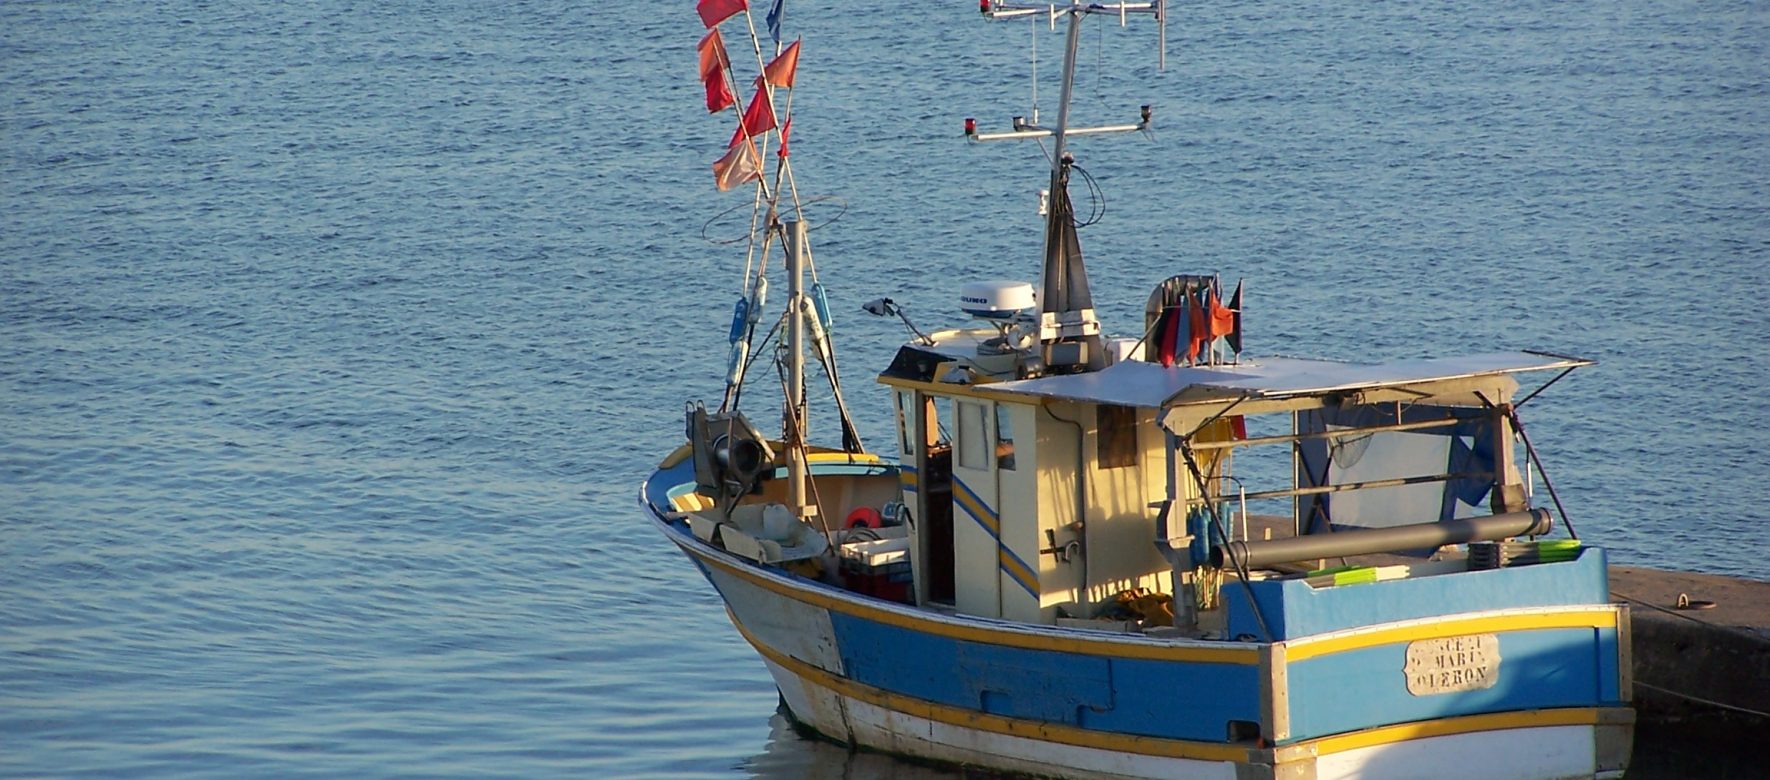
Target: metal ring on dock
(1685, 602)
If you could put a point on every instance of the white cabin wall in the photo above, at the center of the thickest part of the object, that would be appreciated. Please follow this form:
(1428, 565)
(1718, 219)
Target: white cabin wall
(1121, 524)
(1119, 528)
(1060, 583)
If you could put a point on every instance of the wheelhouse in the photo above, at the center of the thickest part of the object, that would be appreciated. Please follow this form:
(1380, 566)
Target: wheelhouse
(1061, 498)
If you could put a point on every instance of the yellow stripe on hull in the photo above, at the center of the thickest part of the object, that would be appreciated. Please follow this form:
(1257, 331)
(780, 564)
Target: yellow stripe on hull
(1328, 644)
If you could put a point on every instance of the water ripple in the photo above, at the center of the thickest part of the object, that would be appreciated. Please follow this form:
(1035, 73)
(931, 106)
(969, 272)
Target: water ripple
(335, 338)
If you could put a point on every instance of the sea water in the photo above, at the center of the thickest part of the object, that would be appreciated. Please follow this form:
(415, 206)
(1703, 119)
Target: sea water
(335, 338)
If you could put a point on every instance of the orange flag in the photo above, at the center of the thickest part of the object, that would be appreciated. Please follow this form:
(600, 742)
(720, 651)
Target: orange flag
(783, 68)
(1195, 332)
(1222, 318)
(713, 64)
(739, 165)
(786, 130)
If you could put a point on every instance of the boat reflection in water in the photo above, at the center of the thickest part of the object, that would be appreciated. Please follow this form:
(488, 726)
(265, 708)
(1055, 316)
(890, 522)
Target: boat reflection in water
(791, 755)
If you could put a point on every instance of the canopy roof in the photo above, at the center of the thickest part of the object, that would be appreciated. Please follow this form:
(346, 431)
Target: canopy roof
(1149, 385)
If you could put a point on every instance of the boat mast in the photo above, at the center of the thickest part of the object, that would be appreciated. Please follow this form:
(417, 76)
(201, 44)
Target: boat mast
(1068, 331)
(793, 237)
(1061, 134)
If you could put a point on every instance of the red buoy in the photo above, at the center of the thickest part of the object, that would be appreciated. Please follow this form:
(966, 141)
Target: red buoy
(865, 516)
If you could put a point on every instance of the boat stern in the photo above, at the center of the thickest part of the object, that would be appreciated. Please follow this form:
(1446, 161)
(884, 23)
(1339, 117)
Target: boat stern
(1513, 672)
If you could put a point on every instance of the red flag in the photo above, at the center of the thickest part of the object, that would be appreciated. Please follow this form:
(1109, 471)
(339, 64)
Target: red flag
(1166, 329)
(740, 164)
(715, 11)
(786, 130)
(713, 64)
(758, 118)
(783, 67)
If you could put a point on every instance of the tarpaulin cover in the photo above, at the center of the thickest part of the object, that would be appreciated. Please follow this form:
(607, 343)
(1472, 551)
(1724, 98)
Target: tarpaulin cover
(1463, 448)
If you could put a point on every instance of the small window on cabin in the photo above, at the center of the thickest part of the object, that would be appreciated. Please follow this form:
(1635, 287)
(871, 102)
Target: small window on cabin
(905, 419)
(1117, 443)
(973, 438)
(940, 411)
(1004, 439)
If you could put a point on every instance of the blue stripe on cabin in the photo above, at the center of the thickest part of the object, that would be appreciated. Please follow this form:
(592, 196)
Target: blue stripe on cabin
(908, 479)
(1117, 695)
(974, 506)
(1017, 570)
(1538, 669)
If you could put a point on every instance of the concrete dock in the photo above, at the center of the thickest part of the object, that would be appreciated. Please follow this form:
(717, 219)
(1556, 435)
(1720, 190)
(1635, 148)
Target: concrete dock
(1701, 655)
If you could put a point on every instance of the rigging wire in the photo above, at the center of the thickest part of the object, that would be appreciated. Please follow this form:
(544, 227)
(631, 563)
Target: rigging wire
(765, 219)
(842, 211)
(1098, 199)
(744, 376)
(850, 432)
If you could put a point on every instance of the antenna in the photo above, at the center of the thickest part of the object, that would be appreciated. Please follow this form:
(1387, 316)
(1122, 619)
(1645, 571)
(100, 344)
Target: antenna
(1161, 23)
(1075, 9)
(1069, 333)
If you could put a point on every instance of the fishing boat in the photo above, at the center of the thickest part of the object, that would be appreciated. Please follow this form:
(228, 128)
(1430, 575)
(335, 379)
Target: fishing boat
(1147, 555)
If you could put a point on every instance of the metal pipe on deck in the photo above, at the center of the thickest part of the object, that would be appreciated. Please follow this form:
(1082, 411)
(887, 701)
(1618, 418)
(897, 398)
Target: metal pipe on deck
(1340, 544)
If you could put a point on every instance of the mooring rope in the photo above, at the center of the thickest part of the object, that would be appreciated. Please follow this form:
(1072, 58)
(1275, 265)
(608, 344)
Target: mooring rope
(1701, 700)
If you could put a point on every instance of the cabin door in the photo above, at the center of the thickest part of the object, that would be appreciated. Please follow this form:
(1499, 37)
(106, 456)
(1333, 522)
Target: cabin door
(977, 526)
(927, 484)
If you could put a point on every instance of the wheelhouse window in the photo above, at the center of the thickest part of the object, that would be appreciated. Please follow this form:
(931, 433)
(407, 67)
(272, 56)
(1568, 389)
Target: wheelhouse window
(1117, 442)
(905, 419)
(973, 436)
(1004, 439)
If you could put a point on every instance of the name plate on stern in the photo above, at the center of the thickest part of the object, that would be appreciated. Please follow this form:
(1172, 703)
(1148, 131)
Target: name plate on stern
(1451, 664)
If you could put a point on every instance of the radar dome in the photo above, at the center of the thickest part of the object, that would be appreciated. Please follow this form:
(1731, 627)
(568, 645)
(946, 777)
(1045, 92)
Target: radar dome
(1002, 300)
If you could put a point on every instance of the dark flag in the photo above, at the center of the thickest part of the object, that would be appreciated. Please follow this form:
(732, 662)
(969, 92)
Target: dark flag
(1235, 306)
(774, 21)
